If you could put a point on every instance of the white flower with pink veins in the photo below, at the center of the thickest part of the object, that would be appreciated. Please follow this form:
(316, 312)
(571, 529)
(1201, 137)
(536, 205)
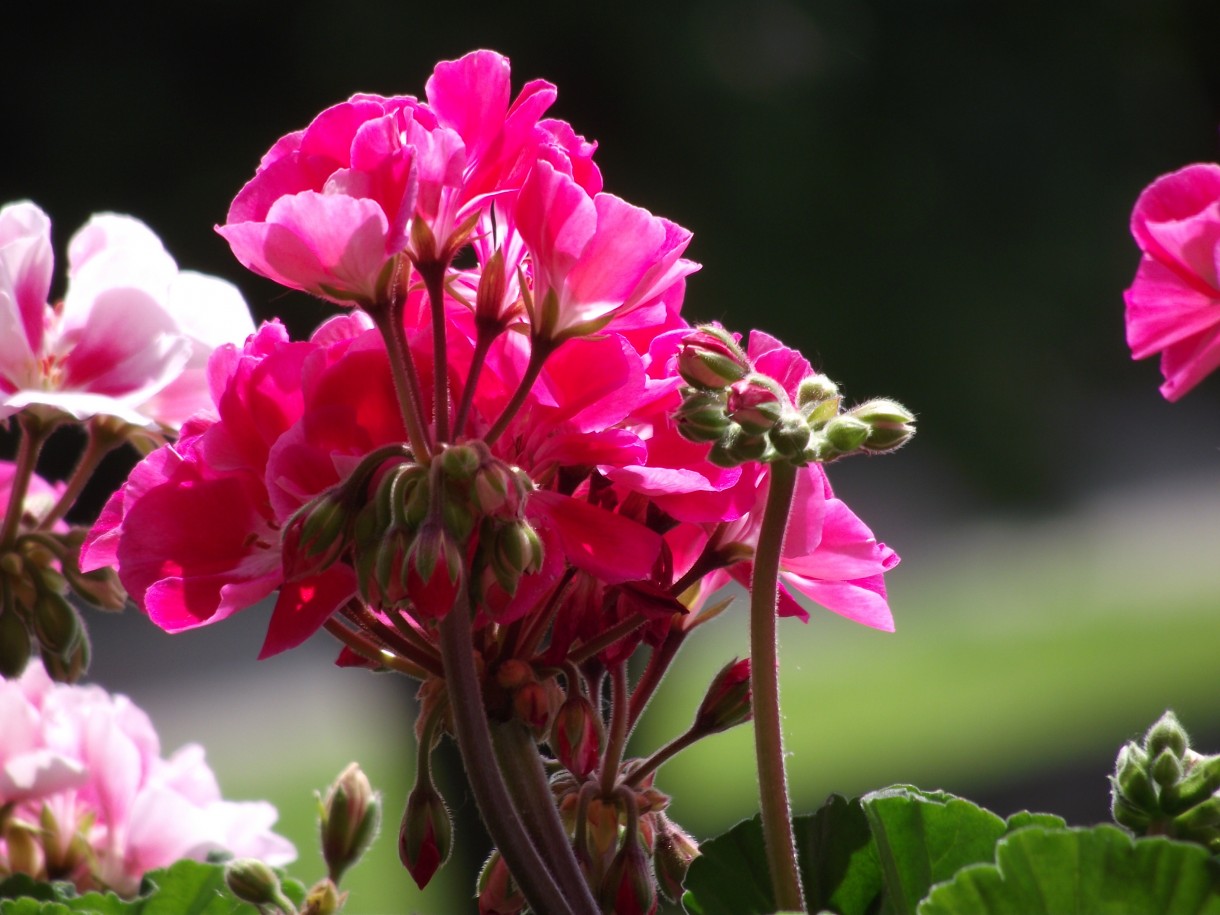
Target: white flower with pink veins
(132, 335)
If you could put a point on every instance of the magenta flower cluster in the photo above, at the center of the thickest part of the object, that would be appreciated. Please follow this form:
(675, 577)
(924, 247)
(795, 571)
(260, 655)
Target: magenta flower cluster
(555, 350)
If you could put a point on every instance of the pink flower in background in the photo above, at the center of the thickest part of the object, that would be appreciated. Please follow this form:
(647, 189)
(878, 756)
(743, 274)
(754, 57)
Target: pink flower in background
(132, 335)
(1173, 305)
(93, 762)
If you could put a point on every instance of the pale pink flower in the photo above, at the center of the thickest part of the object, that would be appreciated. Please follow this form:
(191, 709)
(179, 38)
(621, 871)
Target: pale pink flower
(1173, 305)
(93, 762)
(130, 338)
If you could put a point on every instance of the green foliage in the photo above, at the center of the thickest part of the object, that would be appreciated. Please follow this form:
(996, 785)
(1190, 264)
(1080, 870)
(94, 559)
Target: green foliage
(185, 888)
(1066, 871)
(902, 851)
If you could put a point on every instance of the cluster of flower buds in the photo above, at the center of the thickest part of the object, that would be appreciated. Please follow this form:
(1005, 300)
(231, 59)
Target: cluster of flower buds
(37, 577)
(747, 416)
(1164, 788)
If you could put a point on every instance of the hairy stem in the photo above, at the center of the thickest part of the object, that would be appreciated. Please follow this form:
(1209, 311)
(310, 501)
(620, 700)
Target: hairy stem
(764, 687)
(103, 438)
(388, 320)
(470, 727)
(522, 768)
(34, 434)
(433, 274)
(539, 353)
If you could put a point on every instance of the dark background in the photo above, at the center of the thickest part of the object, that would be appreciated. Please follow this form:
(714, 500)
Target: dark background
(927, 197)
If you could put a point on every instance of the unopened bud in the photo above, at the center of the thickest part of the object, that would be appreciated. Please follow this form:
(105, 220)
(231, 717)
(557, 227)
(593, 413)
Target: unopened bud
(710, 358)
(426, 837)
(727, 702)
(460, 462)
(675, 850)
(846, 433)
(316, 535)
(1166, 769)
(252, 881)
(68, 666)
(434, 567)
(575, 737)
(891, 424)
(55, 623)
(100, 588)
(532, 705)
(497, 891)
(22, 848)
(15, 645)
(351, 816)
(790, 436)
(323, 898)
(628, 887)
(816, 389)
(702, 416)
(1167, 734)
(755, 403)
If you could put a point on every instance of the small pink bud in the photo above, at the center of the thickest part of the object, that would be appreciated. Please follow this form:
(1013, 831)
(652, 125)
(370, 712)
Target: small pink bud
(426, 837)
(727, 702)
(755, 403)
(574, 736)
(891, 425)
(710, 358)
(532, 704)
(434, 569)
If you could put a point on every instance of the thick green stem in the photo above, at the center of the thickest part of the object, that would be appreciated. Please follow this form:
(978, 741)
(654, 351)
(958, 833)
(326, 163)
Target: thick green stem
(470, 727)
(764, 688)
(522, 768)
(388, 320)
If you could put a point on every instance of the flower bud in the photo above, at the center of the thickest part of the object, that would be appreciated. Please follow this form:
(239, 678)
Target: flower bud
(846, 433)
(1167, 734)
(727, 702)
(68, 666)
(675, 850)
(710, 358)
(316, 535)
(702, 416)
(55, 623)
(1166, 769)
(22, 848)
(790, 436)
(323, 898)
(433, 570)
(816, 389)
(532, 705)
(351, 816)
(15, 648)
(252, 881)
(891, 424)
(755, 403)
(460, 462)
(426, 837)
(100, 588)
(575, 738)
(629, 887)
(497, 891)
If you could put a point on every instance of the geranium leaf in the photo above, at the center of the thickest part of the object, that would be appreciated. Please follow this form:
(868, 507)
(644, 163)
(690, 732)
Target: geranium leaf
(1039, 871)
(924, 837)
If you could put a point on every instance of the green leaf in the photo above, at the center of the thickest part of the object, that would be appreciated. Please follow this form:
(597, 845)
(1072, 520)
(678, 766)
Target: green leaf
(20, 886)
(1025, 818)
(924, 837)
(1096, 870)
(190, 888)
(839, 868)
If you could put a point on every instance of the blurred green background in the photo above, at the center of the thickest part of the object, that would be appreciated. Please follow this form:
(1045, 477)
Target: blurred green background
(928, 197)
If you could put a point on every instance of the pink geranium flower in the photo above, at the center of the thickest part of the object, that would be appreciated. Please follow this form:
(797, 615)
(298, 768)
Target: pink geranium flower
(93, 763)
(132, 335)
(1173, 306)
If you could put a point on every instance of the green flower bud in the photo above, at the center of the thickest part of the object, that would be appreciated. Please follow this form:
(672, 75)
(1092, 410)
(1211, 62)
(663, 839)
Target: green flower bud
(815, 390)
(1167, 734)
(351, 816)
(55, 623)
(672, 857)
(68, 666)
(628, 887)
(702, 416)
(790, 436)
(460, 462)
(252, 881)
(710, 358)
(497, 891)
(846, 433)
(1166, 768)
(323, 898)
(15, 648)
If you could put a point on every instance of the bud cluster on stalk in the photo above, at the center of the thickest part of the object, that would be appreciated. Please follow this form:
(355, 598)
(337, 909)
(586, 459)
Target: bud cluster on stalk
(1162, 787)
(748, 416)
(414, 532)
(38, 576)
